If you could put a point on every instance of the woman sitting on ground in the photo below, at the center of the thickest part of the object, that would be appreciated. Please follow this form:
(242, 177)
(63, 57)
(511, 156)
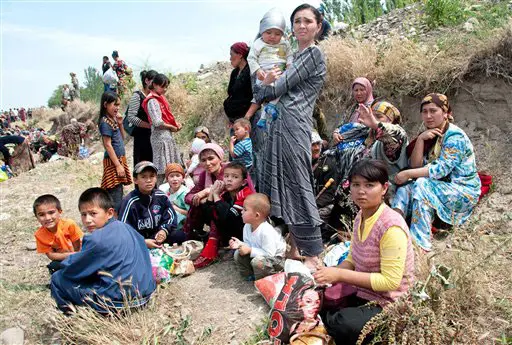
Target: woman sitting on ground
(380, 264)
(202, 132)
(443, 166)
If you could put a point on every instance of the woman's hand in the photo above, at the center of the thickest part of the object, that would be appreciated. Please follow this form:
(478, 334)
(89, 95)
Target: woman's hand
(196, 200)
(151, 244)
(260, 74)
(328, 275)
(430, 134)
(160, 236)
(272, 76)
(366, 117)
(337, 138)
(402, 177)
(217, 188)
(120, 171)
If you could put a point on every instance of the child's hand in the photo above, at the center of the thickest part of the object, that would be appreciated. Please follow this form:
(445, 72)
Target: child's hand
(160, 236)
(151, 244)
(233, 140)
(234, 243)
(180, 126)
(119, 120)
(260, 74)
(244, 250)
(120, 171)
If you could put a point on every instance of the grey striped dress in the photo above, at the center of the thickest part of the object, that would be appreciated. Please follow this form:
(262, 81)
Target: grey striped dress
(287, 172)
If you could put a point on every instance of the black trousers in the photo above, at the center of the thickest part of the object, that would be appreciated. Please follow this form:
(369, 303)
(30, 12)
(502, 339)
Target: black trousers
(346, 324)
(142, 150)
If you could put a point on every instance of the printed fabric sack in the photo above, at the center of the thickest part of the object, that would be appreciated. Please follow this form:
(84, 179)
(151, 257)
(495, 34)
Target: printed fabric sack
(161, 265)
(270, 287)
(295, 311)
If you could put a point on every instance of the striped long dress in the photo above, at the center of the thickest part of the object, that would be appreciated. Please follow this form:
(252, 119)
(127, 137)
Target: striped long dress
(287, 172)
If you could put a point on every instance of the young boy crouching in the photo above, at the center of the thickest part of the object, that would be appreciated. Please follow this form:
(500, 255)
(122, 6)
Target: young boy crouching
(57, 237)
(114, 257)
(149, 211)
(262, 252)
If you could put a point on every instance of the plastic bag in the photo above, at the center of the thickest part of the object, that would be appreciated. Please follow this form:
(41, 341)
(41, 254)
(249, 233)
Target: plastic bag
(296, 309)
(183, 268)
(3, 176)
(161, 265)
(337, 254)
(110, 77)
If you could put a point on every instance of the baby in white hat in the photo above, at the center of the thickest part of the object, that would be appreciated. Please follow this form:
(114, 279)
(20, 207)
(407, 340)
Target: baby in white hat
(271, 49)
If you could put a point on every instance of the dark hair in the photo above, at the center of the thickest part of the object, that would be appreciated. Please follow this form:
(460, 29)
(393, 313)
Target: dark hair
(107, 97)
(374, 170)
(45, 200)
(151, 74)
(316, 12)
(106, 57)
(96, 196)
(238, 166)
(160, 79)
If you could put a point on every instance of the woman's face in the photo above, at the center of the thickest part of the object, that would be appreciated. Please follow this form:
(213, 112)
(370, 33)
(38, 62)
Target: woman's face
(202, 135)
(433, 116)
(235, 58)
(359, 93)
(310, 304)
(367, 194)
(160, 90)
(305, 26)
(210, 161)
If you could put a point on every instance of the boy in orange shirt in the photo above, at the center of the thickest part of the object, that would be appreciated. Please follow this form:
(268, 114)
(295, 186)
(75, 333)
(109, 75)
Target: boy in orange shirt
(57, 238)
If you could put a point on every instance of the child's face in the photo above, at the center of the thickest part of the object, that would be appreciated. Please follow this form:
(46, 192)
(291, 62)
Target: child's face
(233, 179)
(48, 216)
(249, 214)
(175, 180)
(146, 181)
(381, 117)
(94, 217)
(113, 108)
(272, 36)
(240, 131)
(160, 90)
(367, 194)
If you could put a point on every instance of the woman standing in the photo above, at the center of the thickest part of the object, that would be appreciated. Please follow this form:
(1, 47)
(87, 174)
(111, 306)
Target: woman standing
(239, 88)
(443, 164)
(287, 173)
(163, 124)
(138, 117)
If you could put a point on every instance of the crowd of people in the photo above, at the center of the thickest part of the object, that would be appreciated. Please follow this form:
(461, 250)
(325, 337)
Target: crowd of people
(278, 173)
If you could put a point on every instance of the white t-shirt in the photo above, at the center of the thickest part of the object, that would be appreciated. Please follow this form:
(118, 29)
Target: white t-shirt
(264, 241)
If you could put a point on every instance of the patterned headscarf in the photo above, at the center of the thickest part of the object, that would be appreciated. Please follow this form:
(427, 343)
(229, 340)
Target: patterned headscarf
(440, 100)
(241, 48)
(389, 110)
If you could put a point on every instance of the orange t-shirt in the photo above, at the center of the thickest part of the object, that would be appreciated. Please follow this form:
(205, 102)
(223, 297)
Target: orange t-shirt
(61, 241)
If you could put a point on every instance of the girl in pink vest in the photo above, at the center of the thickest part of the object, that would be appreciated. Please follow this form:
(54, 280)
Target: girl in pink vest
(380, 265)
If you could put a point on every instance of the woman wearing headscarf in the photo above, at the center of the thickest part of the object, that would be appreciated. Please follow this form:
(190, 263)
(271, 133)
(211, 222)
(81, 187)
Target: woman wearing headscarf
(443, 181)
(203, 133)
(239, 87)
(287, 174)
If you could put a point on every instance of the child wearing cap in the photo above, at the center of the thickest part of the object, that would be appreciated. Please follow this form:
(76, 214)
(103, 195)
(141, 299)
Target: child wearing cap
(176, 191)
(270, 50)
(148, 210)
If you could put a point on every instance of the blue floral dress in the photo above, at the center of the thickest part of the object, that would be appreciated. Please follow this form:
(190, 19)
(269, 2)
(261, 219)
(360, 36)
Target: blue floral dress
(451, 191)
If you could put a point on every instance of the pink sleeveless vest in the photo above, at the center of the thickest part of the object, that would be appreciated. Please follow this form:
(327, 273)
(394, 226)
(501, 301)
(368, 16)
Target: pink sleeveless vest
(366, 255)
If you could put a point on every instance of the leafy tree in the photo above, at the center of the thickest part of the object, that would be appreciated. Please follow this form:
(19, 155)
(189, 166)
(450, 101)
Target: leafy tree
(93, 85)
(56, 97)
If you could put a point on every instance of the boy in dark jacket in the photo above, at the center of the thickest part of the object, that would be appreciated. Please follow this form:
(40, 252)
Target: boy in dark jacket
(149, 210)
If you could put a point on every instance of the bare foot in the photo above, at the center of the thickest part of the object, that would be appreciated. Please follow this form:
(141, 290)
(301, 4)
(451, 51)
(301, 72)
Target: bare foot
(293, 252)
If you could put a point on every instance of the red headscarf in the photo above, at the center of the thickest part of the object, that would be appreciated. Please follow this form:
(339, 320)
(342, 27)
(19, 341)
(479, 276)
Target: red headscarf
(241, 48)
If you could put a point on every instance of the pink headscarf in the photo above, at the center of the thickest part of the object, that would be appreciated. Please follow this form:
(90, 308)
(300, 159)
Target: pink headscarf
(219, 152)
(369, 95)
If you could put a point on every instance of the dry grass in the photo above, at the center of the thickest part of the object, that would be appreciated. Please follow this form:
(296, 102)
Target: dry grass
(53, 119)
(407, 68)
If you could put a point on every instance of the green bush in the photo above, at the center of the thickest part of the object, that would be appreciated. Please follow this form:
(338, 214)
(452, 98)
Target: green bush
(444, 12)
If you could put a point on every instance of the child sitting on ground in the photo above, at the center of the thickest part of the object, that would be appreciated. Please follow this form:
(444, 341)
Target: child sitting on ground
(262, 252)
(269, 51)
(240, 146)
(113, 265)
(195, 169)
(226, 199)
(176, 191)
(148, 210)
(57, 237)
